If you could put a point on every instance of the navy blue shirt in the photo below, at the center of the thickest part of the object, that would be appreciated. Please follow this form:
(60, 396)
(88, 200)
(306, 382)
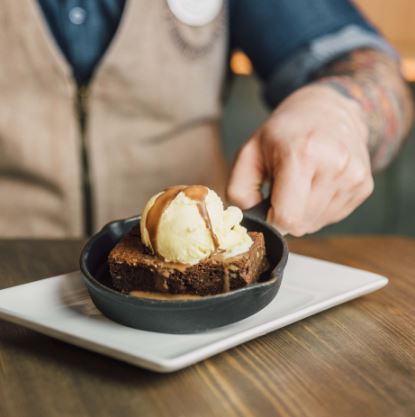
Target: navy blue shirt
(286, 40)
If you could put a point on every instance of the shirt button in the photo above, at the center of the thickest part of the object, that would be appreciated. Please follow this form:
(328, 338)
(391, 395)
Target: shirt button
(77, 15)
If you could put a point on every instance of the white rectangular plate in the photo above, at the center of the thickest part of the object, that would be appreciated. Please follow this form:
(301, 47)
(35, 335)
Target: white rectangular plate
(60, 307)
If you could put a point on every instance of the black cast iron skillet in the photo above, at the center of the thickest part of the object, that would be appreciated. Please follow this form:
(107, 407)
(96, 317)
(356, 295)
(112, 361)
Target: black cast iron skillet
(181, 316)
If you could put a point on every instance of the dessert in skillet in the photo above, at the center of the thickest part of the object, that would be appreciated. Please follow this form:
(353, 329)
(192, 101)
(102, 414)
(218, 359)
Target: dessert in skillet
(187, 245)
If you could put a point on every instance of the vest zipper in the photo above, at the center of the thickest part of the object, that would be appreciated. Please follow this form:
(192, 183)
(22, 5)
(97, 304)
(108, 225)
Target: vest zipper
(82, 104)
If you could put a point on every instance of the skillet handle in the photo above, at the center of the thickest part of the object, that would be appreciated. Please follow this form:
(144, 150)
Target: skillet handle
(260, 210)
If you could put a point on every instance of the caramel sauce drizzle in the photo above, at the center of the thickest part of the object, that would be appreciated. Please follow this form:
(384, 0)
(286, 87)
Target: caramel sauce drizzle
(156, 211)
(196, 193)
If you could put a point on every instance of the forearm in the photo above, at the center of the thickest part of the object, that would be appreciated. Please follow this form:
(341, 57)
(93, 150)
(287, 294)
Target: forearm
(373, 79)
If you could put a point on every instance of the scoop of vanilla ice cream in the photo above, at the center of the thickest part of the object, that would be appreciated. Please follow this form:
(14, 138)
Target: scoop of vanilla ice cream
(183, 236)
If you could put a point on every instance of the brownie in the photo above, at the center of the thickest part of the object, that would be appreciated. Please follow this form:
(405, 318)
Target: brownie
(133, 268)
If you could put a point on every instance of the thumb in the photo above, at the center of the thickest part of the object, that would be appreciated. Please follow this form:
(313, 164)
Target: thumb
(247, 176)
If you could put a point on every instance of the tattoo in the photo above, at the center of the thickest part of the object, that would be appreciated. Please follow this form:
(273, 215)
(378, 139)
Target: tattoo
(374, 80)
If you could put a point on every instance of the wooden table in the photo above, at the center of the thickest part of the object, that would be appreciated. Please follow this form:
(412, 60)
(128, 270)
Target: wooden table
(357, 359)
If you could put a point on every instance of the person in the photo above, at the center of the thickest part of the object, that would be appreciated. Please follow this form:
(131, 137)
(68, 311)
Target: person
(105, 103)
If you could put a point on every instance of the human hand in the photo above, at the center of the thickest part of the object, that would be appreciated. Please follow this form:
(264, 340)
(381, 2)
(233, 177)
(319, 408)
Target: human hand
(314, 150)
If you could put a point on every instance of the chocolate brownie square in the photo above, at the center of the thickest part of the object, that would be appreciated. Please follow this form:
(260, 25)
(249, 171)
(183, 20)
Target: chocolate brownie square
(133, 268)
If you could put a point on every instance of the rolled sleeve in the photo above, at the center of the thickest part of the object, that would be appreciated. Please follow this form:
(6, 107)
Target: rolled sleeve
(299, 68)
(288, 40)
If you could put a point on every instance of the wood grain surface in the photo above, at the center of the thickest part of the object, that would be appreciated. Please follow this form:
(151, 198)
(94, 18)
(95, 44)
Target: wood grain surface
(357, 359)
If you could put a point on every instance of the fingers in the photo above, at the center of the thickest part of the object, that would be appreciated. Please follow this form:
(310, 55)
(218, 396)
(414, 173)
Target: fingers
(290, 195)
(346, 198)
(343, 204)
(247, 176)
(305, 201)
(321, 197)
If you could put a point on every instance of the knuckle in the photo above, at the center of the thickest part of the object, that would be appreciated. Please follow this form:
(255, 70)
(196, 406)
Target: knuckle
(273, 132)
(271, 139)
(285, 221)
(358, 174)
(337, 163)
(341, 158)
(269, 130)
(282, 122)
(309, 148)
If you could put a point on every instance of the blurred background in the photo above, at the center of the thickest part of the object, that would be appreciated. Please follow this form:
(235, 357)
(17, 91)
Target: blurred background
(391, 208)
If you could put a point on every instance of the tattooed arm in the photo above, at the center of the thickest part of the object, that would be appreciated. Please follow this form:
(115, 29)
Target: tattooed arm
(320, 146)
(373, 79)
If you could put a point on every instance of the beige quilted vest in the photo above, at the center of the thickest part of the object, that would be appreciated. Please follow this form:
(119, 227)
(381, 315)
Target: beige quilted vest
(152, 119)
